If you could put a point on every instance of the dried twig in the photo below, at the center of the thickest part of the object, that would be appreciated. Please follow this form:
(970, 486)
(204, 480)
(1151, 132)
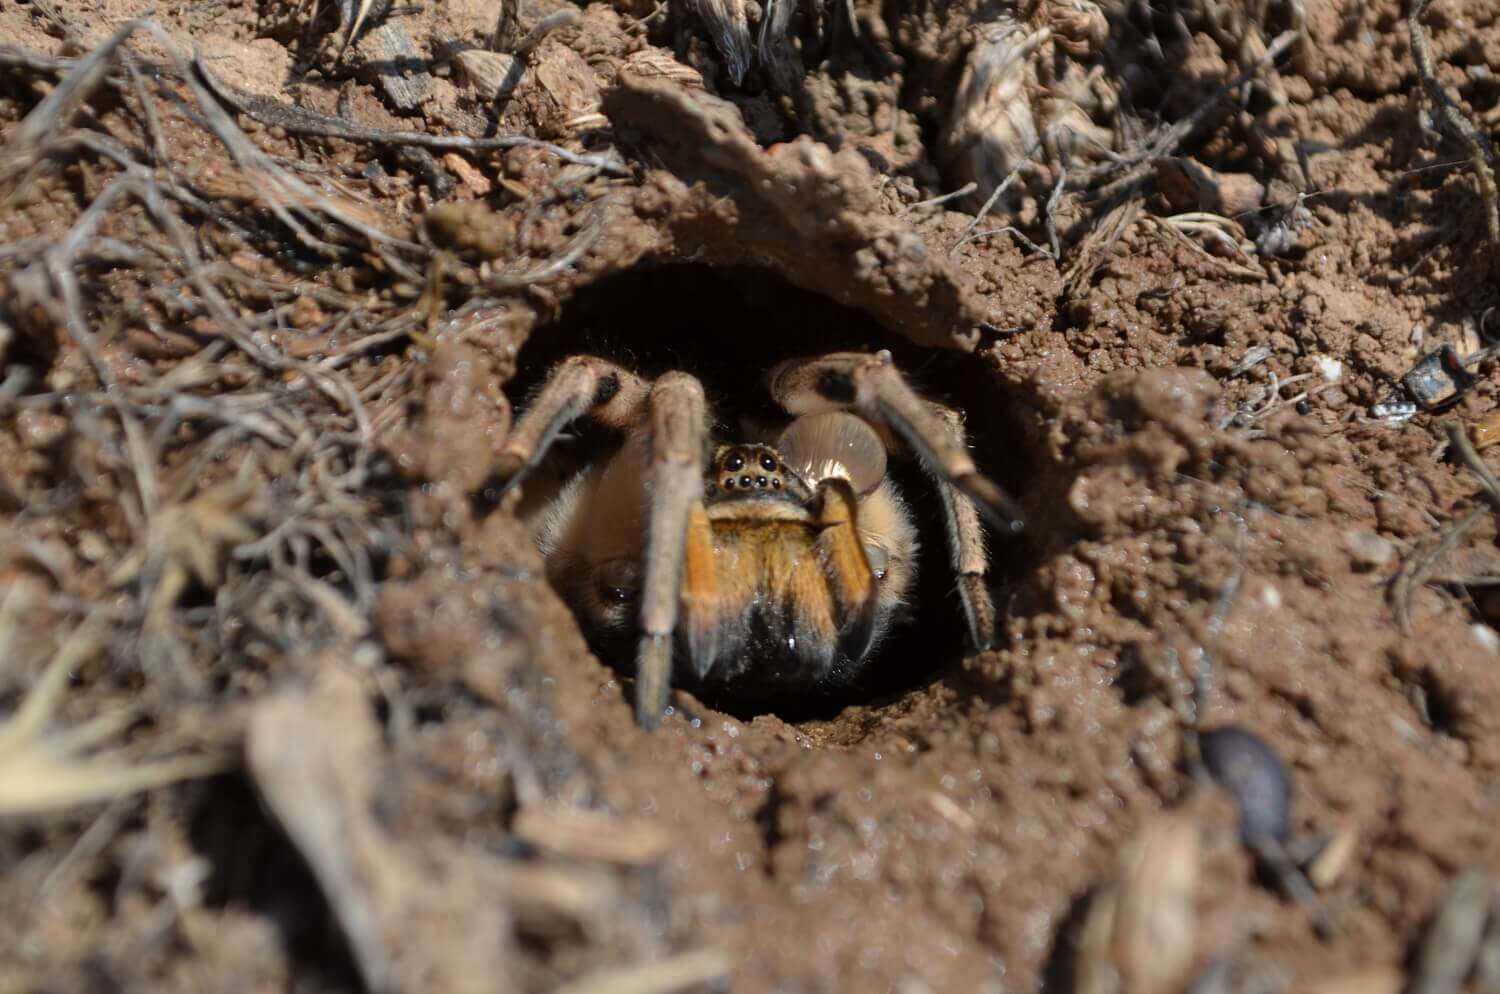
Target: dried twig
(1173, 136)
(1481, 155)
(1202, 674)
(591, 835)
(1447, 952)
(297, 120)
(1459, 440)
(1051, 212)
(576, 250)
(1419, 567)
(994, 197)
(29, 139)
(44, 773)
(942, 198)
(355, 23)
(672, 974)
(558, 19)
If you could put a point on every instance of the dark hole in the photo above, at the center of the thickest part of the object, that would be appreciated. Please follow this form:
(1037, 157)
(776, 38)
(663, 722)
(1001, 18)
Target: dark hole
(256, 867)
(730, 326)
(1436, 704)
(1060, 971)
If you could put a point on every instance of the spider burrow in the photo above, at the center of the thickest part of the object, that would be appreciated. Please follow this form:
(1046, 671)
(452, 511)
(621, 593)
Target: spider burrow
(735, 565)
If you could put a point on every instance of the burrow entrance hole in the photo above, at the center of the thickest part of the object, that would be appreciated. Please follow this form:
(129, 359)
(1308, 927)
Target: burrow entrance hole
(728, 327)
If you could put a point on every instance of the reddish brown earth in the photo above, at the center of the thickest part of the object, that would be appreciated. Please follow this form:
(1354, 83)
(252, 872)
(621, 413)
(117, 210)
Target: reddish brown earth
(269, 505)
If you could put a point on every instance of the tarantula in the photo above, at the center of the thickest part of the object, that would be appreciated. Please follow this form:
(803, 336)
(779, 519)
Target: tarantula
(779, 564)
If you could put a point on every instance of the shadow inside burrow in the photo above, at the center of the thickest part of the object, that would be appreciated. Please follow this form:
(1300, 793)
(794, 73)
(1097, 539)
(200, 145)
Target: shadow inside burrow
(729, 327)
(255, 867)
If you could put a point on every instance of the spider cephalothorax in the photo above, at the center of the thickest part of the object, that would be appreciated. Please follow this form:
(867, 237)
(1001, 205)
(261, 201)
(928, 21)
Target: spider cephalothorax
(772, 564)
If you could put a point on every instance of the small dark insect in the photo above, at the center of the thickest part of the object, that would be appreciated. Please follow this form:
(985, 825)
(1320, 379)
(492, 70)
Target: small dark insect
(1439, 378)
(1248, 768)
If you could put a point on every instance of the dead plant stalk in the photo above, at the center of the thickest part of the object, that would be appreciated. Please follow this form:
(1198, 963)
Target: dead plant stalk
(1481, 155)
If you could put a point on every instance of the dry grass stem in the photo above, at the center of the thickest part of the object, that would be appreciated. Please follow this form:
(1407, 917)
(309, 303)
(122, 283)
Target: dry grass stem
(591, 835)
(1448, 950)
(1459, 440)
(300, 121)
(1168, 141)
(1481, 154)
(1418, 568)
(662, 977)
(361, 13)
(40, 773)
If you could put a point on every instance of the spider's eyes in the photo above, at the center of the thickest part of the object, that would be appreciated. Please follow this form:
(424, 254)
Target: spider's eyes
(768, 464)
(734, 463)
(618, 581)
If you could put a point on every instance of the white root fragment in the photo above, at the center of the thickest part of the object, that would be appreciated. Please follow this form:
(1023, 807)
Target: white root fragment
(314, 756)
(1138, 934)
(591, 835)
(662, 977)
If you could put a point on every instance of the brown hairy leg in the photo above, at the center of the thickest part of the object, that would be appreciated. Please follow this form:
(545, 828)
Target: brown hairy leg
(850, 579)
(966, 548)
(675, 415)
(871, 386)
(702, 596)
(579, 386)
(679, 435)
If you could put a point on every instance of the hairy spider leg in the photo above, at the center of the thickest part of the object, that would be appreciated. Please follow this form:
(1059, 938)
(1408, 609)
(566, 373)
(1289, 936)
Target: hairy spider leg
(869, 385)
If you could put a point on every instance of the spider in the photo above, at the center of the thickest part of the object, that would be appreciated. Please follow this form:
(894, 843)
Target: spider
(773, 564)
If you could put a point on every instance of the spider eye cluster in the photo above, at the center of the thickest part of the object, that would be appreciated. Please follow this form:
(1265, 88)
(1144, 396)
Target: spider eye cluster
(750, 469)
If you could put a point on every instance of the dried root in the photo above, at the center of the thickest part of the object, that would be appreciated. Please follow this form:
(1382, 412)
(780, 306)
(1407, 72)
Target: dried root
(1023, 100)
(1138, 933)
(1481, 155)
(189, 541)
(729, 28)
(683, 972)
(1458, 942)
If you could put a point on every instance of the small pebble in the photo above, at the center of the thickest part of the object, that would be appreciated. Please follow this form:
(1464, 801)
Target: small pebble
(1369, 550)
